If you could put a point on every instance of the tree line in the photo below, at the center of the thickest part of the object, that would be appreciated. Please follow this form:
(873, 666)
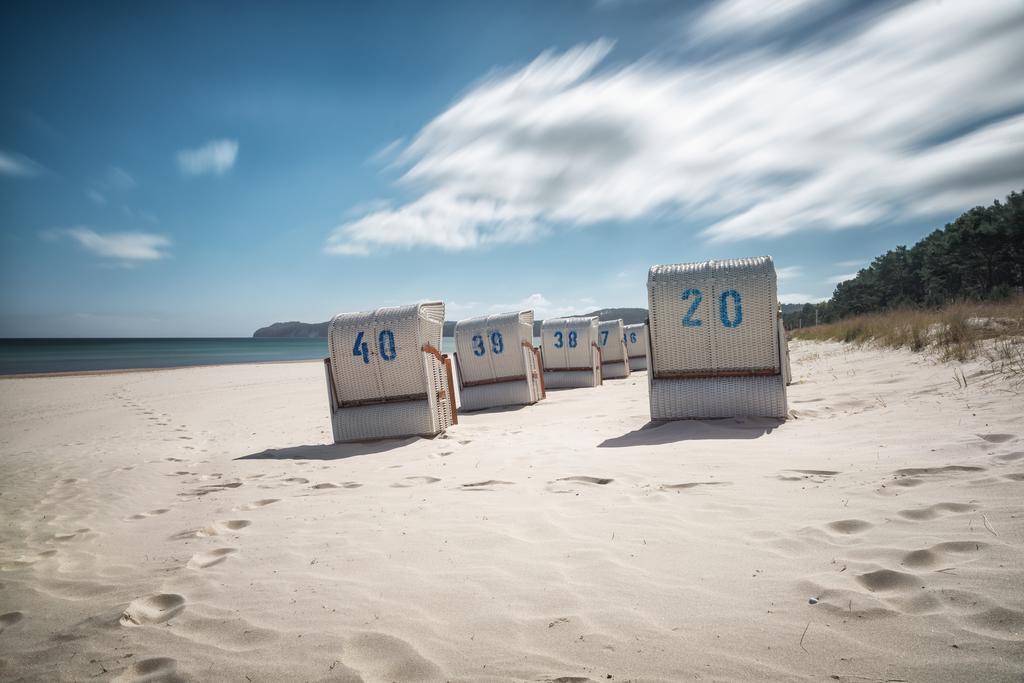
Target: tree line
(979, 256)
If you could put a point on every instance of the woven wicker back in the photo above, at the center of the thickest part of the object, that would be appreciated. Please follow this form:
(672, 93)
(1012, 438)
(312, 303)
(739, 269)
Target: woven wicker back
(378, 354)
(491, 347)
(567, 342)
(635, 337)
(610, 339)
(714, 317)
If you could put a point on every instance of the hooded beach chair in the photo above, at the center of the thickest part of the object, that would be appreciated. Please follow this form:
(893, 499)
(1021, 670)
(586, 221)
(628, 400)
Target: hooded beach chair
(635, 337)
(714, 347)
(570, 353)
(614, 364)
(496, 362)
(386, 375)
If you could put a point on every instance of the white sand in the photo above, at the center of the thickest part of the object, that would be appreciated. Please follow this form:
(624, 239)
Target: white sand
(147, 532)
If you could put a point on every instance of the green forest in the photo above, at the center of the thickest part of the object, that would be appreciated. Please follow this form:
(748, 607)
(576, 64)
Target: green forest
(979, 256)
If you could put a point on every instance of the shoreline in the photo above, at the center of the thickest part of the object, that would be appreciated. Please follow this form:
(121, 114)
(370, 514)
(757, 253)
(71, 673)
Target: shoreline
(117, 371)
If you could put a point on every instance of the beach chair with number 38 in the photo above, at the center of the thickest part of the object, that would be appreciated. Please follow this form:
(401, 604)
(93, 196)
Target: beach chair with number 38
(386, 375)
(570, 353)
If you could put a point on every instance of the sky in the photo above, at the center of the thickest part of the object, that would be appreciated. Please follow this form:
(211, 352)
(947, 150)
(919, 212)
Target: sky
(204, 169)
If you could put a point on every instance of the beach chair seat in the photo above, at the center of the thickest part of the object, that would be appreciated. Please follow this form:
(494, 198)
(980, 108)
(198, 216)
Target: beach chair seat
(570, 354)
(635, 337)
(386, 375)
(714, 346)
(496, 362)
(610, 338)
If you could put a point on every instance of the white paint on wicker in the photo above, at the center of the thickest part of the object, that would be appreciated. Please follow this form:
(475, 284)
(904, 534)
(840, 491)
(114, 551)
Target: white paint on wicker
(715, 317)
(377, 390)
(635, 337)
(614, 363)
(488, 377)
(567, 365)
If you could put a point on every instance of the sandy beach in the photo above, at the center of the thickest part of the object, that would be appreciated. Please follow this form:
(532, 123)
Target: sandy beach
(197, 524)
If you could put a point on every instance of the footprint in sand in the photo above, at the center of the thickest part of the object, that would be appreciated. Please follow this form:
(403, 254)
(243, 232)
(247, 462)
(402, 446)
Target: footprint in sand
(817, 476)
(215, 529)
(342, 485)
(485, 485)
(153, 669)
(997, 438)
(948, 469)
(296, 480)
(415, 480)
(1010, 457)
(882, 580)
(255, 505)
(933, 511)
(10, 619)
(848, 527)
(209, 558)
(693, 485)
(151, 513)
(211, 488)
(1015, 476)
(937, 554)
(152, 609)
(600, 481)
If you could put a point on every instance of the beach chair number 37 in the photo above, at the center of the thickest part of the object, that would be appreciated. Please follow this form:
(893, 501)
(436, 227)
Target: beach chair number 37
(694, 296)
(385, 346)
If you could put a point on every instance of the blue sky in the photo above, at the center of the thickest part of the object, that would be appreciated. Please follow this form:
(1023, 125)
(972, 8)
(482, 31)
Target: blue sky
(203, 169)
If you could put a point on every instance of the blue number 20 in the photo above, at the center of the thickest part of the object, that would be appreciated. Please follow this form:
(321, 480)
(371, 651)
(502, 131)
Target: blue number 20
(688, 320)
(723, 308)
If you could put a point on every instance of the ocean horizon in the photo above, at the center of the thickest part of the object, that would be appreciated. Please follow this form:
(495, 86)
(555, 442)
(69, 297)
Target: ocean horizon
(64, 355)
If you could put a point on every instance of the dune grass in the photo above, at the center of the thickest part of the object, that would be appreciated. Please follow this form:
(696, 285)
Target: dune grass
(957, 332)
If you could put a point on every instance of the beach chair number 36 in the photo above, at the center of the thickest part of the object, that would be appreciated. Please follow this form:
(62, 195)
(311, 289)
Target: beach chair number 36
(694, 296)
(497, 344)
(385, 345)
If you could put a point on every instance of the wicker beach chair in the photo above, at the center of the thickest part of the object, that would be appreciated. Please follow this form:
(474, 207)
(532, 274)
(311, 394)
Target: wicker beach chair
(635, 337)
(496, 362)
(570, 353)
(610, 337)
(714, 348)
(386, 376)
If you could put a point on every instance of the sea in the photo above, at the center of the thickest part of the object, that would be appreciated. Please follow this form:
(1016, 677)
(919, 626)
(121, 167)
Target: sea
(41, 356)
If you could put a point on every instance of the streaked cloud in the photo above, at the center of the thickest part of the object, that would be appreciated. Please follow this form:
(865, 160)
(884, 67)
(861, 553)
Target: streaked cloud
(97, 197)
(216, 157)
(797, 298)
(125, 246)
(14, 164)
(789, 272)
(842, 277)
(909, 115)
(116, 178)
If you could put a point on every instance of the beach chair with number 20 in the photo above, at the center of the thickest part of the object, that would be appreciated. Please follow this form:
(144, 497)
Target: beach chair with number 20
(715, 348)
(386, 375)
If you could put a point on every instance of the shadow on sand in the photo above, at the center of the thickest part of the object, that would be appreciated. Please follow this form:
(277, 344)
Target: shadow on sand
(658, 433)
(330, 451)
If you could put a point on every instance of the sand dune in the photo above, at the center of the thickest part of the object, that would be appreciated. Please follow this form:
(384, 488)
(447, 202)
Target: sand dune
(196, 524)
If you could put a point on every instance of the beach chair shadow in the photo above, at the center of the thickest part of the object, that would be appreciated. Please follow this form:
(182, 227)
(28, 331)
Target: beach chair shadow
(662, 432)
(330, 451)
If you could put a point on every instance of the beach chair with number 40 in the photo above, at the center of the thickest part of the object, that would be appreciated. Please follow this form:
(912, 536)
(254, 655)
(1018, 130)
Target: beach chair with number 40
(386, 375)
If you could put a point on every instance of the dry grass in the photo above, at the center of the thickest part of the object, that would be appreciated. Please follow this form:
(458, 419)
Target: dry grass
(955, 332)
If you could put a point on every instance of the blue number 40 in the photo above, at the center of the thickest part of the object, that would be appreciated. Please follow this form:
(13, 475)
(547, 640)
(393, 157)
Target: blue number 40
(385, 346)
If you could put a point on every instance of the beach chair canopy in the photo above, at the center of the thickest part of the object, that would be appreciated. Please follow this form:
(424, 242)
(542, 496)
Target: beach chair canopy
(571, 355)
(635, 337)
(497, 364)
(386, 374)
(714, 342)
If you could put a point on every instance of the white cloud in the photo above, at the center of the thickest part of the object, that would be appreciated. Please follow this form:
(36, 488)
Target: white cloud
(796, 298)
(789, 272)
(752, 16)
(836, 279)
(97, 197)
(14, 164)
(851, 263)
(126, 246)
(216, 157)
(119, 179)
(827, 136)
(541, 306)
